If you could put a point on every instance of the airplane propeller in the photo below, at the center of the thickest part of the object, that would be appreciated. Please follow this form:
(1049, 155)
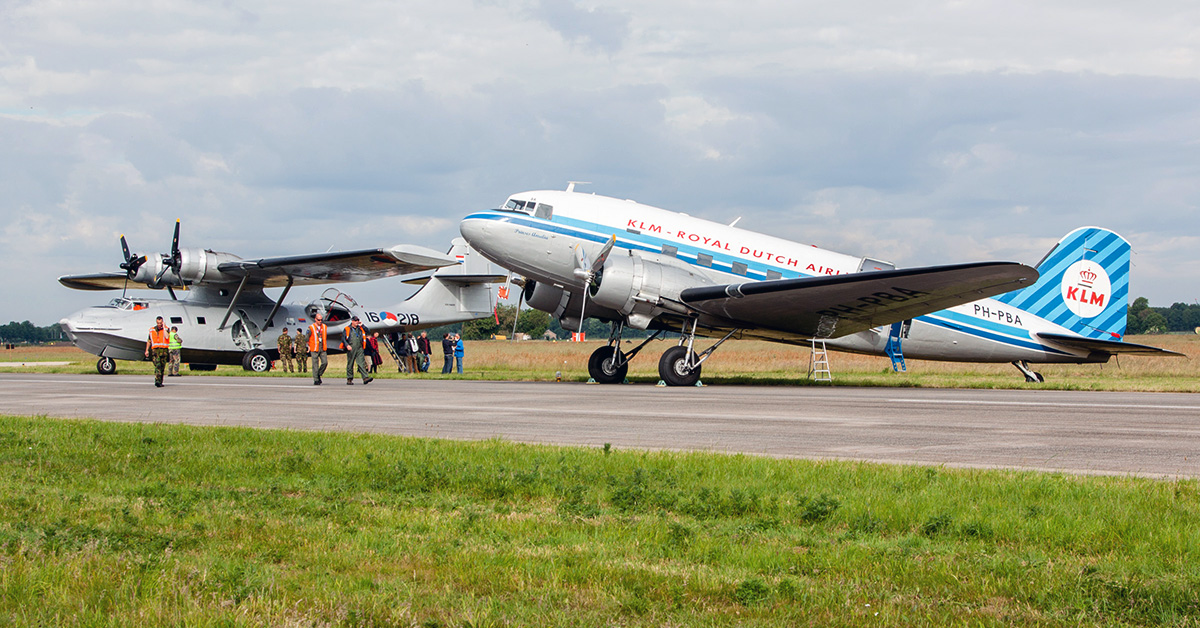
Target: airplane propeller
(132, 263)
(589, 272)
(172, 260)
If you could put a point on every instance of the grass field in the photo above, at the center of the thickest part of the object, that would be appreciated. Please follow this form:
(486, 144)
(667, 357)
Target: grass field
(135, 525)
(754, 362)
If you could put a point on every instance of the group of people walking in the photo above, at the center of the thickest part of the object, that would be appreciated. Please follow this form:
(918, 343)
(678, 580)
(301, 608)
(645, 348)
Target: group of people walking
(413, 352)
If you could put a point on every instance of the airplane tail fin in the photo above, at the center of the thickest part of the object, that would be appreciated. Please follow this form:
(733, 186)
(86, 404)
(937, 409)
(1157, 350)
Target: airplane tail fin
(461, 292)
(1083, 284)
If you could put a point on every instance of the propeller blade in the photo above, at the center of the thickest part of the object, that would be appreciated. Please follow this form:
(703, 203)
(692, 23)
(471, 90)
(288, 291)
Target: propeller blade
(603, 256)
(517, 314)
(162, 272)
(125, 248)
(175, 241)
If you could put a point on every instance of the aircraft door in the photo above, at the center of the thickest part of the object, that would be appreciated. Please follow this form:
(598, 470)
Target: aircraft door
(245, 332)
(870, 264)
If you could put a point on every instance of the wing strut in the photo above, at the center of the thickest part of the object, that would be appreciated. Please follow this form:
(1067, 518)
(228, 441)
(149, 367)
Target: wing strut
(233, 303)
(271, 317)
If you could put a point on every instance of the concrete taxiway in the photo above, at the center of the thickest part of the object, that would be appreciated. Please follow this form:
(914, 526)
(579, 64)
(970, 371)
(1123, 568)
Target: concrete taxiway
(1149, 434)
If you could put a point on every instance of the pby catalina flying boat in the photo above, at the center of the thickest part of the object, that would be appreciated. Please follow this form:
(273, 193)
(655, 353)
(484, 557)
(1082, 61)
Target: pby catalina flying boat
(226, 318)
(584, 255)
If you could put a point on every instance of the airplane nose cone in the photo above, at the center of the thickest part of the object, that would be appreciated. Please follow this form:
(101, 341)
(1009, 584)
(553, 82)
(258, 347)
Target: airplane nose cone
(474, 230)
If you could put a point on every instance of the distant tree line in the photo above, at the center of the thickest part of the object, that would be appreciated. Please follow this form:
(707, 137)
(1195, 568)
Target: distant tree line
(27, 332)
(1144, 319)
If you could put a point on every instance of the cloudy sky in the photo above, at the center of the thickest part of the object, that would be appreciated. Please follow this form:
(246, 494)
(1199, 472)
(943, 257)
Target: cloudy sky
(916, 131)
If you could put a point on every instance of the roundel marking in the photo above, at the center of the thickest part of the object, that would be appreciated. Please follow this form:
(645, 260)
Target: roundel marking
(1086, 288)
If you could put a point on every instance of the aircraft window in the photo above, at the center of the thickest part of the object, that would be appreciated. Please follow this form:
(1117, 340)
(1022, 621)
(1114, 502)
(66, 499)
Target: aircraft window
(199, 320)
(704, 259)
(544, 211)
(774, 274)
(739, 268)
(670, 250)
(514, 205)
(176, 320)
(633, 230)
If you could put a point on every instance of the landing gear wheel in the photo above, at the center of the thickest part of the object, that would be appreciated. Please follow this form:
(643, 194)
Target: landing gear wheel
(601, 368)
(673, 367)
(1040, 379)
(106, 366)
(257, 361)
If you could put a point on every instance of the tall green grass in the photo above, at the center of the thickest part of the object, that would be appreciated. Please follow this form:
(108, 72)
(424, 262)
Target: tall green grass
(112, 524)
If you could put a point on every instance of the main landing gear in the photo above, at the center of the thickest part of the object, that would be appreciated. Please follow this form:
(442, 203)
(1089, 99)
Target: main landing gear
(1030, 376)
(608, 364)
(678, 366)
(106, 366)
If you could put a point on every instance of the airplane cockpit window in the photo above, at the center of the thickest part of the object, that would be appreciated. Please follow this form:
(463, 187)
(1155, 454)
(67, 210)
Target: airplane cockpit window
(514, 205)
(544, 211)
(122, 303)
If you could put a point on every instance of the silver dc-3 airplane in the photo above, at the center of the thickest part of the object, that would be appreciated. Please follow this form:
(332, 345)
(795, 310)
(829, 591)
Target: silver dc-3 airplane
(227, 318)
(582, 255)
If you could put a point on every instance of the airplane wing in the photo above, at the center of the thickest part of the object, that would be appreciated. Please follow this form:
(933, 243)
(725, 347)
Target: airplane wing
(839, 305)
(1106, 346)
(345, 266)
(104, 281)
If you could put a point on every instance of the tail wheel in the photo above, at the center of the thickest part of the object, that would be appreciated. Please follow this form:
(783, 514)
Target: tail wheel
(106, 366)
(674, 367)
(603, 369)
(256, 361)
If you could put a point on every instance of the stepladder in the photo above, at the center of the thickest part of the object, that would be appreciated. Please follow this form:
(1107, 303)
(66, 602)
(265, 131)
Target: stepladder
(818, 363)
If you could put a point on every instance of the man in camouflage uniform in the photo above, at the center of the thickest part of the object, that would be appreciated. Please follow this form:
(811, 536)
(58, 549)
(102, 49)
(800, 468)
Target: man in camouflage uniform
(285, 350)
(156, 349)
(300, 348)
(354, 336)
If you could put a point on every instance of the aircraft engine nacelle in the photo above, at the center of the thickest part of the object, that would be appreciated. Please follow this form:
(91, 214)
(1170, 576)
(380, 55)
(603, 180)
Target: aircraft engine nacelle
(641, 286)
(540, 296)
(195, 265)
(201, 265)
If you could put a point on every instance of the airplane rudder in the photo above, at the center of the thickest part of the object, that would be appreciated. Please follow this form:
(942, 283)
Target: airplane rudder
(1083, 284)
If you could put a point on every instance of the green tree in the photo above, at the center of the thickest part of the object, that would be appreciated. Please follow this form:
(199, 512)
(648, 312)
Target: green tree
(1134, 323)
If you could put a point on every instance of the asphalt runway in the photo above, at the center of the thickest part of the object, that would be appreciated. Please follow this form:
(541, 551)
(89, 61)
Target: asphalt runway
(1144, 434)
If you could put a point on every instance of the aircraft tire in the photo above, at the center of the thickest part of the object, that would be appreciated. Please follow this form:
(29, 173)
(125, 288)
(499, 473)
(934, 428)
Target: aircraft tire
(1040, 379)
(673, 370)
(256, 361)
(600, 367)
(106, 366)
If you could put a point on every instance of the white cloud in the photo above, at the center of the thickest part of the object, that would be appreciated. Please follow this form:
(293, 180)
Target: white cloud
(920, 132)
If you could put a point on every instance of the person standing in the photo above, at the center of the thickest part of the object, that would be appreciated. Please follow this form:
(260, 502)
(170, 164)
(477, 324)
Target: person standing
(174, 345)
(318, 348)
(300, 348)
(423, 345)
(447, 354)
(354, 336)
(414, 353)
(401, 347)
(156, 349)
(373, 351)
(458, 351)
(284, 343)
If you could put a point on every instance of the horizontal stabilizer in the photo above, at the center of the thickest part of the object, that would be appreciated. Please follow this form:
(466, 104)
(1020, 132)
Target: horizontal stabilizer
(839, 305)
(1106, 346)
(459, 279)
